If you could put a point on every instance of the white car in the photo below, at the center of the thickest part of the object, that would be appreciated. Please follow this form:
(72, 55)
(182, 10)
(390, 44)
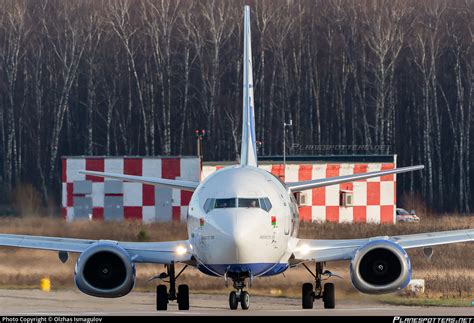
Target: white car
(404, 216)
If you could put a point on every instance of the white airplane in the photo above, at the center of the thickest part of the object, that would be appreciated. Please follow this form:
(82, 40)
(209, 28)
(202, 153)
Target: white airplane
(242, 224)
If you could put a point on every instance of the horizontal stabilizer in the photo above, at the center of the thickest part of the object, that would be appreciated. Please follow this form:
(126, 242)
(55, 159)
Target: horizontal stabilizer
(170, 183)
(307, 185)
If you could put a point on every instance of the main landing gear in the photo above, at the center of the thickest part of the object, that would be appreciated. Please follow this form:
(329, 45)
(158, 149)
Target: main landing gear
(326, 292)
(239, 296)
(163, 296)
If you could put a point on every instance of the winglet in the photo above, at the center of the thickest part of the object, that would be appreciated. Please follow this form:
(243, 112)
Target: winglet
(249, 146)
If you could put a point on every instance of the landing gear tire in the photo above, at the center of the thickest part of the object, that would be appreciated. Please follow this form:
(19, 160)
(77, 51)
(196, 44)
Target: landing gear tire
(233, 301)
(307, 297)
(161, 298)
(245, 300)
(183, 297)
(329, 296)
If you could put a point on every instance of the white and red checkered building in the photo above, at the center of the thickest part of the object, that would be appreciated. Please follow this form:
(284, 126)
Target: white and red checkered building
(93, 197)
(372, 200)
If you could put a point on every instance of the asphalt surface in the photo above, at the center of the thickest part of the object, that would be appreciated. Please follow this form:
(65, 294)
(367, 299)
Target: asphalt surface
(73, 302)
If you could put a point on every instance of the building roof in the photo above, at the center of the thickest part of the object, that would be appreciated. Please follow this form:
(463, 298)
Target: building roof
(292, 159)
(125, 157)
(315, 159)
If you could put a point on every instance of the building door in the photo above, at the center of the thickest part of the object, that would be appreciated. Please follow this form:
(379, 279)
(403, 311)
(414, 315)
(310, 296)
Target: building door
(163, 205)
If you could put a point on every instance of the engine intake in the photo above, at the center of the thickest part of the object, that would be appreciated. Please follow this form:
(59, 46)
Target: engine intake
(379, 267)
(105, 270)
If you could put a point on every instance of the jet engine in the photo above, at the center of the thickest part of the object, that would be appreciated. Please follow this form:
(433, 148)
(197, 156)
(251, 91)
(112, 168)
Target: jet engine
(105, 270)
(379, 267)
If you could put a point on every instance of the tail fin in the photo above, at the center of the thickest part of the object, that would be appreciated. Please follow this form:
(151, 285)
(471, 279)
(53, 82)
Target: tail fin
(249, 147)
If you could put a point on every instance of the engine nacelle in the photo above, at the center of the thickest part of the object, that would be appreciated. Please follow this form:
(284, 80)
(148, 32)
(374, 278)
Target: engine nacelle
(105, 270)
(379, 267)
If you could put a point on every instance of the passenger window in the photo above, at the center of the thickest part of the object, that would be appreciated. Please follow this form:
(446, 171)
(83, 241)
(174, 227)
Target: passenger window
(249, 203)
(224, 203)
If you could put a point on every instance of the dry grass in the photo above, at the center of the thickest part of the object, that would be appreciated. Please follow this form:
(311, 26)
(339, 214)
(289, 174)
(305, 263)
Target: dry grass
(348, 231)
(448, 273)
(456, 256)
(126, 231)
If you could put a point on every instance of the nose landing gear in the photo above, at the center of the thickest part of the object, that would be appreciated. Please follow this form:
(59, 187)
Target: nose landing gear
(326, 292)
(239, 296)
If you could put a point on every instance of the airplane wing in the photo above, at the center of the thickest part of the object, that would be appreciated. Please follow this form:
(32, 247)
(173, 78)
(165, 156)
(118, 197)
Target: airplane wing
(332, 250)
(306, 185)
(170, 183)
(142, 252)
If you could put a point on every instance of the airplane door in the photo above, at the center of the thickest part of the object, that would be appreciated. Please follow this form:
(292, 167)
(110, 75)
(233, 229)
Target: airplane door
(287, 216)
(287, 224)
(293, 216)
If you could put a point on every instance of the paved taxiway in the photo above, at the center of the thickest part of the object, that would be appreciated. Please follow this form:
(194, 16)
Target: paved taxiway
(31, 302)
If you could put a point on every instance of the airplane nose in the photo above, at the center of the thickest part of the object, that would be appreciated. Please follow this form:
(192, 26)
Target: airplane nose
(243, 235)
(241, 240)
(240, 234)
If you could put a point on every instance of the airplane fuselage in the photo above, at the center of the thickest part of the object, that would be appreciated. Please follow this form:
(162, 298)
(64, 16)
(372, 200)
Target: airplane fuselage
(234, 230)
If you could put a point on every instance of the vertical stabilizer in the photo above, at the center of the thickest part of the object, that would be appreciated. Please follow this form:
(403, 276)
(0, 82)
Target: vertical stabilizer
(249, 147)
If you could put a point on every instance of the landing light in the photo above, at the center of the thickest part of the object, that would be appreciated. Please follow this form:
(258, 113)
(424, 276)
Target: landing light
(181, 250)
(304, 249)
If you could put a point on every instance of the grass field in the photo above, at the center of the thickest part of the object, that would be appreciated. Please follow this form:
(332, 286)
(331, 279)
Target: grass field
(449, 274)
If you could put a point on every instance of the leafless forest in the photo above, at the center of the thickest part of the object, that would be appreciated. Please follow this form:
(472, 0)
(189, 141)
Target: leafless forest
(137, 77)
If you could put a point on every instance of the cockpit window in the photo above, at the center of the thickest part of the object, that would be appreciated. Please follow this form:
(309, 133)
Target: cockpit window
(266, 204)
(262, 203)
(224, 203)
(209, 205)
(249, 203)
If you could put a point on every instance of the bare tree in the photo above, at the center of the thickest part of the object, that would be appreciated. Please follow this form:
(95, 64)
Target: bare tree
(384, 22)
(121, 23)
(67, 39)
(218, 19)
(160, 17)
(14, 31)
(94, 32)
